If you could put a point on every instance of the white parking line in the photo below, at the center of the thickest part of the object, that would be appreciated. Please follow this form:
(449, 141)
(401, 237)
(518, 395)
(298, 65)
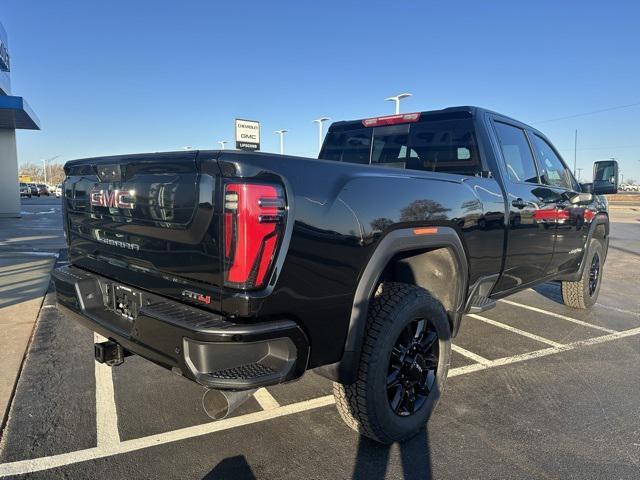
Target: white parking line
(265, 399)
(544, 352)
(621, 310)
(470, 355)
(557, 315)
(111, 445)
(533, 336)
(45, 463)
(106, 414)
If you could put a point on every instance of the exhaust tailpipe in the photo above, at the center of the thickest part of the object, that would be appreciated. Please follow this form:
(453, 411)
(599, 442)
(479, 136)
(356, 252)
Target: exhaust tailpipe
(219, 404)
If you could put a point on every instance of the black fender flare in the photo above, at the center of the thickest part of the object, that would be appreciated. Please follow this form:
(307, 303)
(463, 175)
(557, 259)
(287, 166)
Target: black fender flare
(601, 218)
(396, 241)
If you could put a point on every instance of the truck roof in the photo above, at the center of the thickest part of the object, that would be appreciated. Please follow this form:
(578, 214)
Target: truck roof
(465, 111)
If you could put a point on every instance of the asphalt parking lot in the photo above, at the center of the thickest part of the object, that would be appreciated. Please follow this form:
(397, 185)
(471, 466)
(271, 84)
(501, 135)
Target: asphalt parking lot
(536, 390)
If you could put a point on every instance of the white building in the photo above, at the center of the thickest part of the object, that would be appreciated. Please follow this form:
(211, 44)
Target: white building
(14, 114)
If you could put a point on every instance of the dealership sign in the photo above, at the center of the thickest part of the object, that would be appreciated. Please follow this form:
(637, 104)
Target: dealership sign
(5, 65)
(247, 134)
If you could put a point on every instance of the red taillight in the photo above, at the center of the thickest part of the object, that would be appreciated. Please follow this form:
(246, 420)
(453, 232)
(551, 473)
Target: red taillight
(391, 119)
(254, 217)
(588, 214)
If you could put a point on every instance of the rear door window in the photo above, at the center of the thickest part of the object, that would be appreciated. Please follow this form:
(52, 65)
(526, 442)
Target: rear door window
(518, 159)
(553, 171)
(390, 145)
(444, 146)
(348, 146)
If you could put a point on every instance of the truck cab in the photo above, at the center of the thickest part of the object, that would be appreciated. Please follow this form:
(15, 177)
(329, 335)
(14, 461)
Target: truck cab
(548, 213)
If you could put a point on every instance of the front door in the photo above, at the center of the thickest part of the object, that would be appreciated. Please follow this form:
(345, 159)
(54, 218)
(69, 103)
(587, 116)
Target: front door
(572, 221)
(532, 206)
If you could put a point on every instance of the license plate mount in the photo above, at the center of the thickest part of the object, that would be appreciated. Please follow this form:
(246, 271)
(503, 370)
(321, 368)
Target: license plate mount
(126, 302)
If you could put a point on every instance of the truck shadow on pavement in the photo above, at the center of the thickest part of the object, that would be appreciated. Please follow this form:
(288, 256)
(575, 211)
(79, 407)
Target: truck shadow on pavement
(372, 462)
(373, 459)
(550, 290)
(233, 467)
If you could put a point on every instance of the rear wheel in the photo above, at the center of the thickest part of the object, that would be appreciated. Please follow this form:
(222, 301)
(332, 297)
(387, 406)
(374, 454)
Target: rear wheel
(584, 293)
(403, 365)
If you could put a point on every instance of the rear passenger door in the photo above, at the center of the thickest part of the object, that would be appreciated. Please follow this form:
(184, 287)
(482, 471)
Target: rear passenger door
(569, 219)
(531, 229)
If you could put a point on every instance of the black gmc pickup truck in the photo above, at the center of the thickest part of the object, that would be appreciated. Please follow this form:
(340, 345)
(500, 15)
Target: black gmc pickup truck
(241, 270)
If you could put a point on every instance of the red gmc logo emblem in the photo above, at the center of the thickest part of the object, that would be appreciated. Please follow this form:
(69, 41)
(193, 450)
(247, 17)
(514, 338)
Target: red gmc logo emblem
(112, 198)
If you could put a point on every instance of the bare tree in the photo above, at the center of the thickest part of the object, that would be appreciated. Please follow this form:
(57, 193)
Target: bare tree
(33, 171)
(423, 210)
(55, 174)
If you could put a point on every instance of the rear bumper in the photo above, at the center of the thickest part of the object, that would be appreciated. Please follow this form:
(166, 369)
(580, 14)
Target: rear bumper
(203, 346)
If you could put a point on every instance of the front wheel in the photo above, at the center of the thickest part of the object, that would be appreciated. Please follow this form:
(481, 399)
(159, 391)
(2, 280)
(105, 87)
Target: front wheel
(583, 294)
(403, 365)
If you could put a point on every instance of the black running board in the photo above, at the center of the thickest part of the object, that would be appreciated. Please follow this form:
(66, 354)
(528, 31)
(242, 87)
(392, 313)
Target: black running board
(481, 304)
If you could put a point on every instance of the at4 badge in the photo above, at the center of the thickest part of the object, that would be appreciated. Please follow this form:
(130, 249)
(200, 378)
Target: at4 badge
(197, 297)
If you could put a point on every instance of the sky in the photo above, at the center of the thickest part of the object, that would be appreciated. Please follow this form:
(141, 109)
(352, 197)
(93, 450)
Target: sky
(128, 76)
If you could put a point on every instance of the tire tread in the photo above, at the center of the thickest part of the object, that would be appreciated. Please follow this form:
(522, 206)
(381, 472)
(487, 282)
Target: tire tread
(574, 294)
(351, 400)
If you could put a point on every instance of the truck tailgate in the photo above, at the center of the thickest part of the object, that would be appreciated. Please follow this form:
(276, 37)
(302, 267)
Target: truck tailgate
(149, 217)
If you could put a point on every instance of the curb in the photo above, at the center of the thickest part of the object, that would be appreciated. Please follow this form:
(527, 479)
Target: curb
(48, 302)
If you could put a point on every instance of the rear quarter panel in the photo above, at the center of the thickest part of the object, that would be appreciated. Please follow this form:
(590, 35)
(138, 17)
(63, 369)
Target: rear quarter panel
(340, 212)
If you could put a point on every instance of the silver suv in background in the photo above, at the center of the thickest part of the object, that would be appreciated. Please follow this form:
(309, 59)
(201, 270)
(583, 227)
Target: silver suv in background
(25, 190)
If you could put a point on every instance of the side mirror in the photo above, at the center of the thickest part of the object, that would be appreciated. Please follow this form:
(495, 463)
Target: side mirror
(605, 177)
(581, 198)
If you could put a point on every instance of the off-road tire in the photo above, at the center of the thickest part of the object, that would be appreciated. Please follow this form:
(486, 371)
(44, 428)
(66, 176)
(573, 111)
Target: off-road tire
(364, 405)
(576, 294)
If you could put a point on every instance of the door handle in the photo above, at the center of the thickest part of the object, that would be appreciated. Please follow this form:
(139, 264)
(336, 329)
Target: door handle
(519, 203)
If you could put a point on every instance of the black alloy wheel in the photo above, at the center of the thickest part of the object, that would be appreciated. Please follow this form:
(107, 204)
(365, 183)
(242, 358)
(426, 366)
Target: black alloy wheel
(413, 367)
(403, 365)
(583, 293)
(594, 274)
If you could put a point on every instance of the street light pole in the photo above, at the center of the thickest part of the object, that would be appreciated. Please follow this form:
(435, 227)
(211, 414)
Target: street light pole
(45, 160)
(222, 143)
(281, 133)
(320, 121)
(397, 99)
(575, 152)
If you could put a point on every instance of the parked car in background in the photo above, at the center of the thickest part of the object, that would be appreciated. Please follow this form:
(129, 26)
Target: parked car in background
(25, 191)
(58, 191)
(43, 189)
(34, 189)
